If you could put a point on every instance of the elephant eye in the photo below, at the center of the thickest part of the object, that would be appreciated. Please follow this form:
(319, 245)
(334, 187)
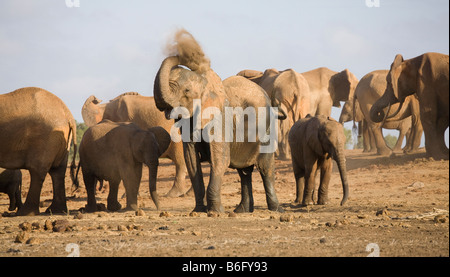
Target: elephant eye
(186, 91)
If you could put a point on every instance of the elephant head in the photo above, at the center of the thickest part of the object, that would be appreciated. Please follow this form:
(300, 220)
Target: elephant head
(92, 111)
(342, 85)
(147, 147)
(400, 84)
(178, 86)
(325, 136)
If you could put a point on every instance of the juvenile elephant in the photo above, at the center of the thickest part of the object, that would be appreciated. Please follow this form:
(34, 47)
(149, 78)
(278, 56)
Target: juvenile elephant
(141, 110)
(11, 184)
(427, 76)
(177, 88)
(314, 142)
(36, 131)
(115, 152)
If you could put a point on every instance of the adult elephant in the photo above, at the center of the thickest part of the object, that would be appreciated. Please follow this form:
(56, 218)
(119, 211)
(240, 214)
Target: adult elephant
(178, 87)
(369, 89)
(36, 130)
(426, 76)
(141, 110)
(328, 88)
(288, 89)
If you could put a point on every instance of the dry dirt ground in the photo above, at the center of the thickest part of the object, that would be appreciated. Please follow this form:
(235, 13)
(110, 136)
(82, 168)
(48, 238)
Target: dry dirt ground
(398, 206)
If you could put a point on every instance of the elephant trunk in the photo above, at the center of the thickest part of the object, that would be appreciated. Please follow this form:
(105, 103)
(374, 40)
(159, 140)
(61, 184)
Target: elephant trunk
(153, 172)
(340, 160)
(161, 88)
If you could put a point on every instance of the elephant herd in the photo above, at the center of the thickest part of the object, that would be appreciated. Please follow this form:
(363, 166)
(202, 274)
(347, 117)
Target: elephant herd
(37, 129)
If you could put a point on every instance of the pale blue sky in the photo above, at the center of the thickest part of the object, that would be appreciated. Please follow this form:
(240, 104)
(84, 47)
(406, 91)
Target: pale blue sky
(107, 47)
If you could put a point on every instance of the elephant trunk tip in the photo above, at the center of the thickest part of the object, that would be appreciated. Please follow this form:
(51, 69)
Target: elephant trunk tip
(377, 115)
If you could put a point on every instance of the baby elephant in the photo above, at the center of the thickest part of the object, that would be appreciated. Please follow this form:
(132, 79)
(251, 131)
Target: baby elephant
(11, 184)
(115, 152)
(314, 141)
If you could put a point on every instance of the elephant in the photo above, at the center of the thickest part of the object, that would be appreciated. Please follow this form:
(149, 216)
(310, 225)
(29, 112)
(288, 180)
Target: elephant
(178, 88)
(11, 184)
(291, 90)
(369, 89)
(314, 142)
(92, 110)
(141, 110)
(426, 76)
(115, 152)
(36, 131)
(328, 87)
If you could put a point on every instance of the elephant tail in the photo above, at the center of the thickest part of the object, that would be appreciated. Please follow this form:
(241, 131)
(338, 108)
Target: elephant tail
(73, 137)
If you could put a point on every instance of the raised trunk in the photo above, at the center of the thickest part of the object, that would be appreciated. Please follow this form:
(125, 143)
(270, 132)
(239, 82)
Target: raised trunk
(340, 160)
(161, 88)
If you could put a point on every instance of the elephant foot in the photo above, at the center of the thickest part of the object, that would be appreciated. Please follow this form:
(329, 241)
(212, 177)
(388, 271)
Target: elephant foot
(218, 208)
(189, 193)
(175, 192)
(241, 208)
(322, 202)
(200, 209)
(384, 152)
(90, 208)
(278, 208)
(57, 209)
(307, 203)
(114, 206)
(131, 207)
(27, 211)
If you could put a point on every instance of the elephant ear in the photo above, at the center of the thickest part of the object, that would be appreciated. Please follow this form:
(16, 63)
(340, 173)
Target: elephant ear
(162, 139)
(340, 85)
(393, 75)
(397, 61)
(312, 136)
(91, 111)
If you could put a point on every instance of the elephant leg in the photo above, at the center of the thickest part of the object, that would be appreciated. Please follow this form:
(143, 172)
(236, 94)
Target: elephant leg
(12, 197)
(401, 136)
(176, 155)
(434, 135)
(366, 137)
(300, 185)
(266, 166)
(325, 176)
(59, 204)
(132, 188)
(90, 182)
(283, 145)
(442, 125)
(382, 148)
(213, 192)
(112, 203)
(31, 205)
(310, 182)
(247, 203)
(132, 183)
(194, 170)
